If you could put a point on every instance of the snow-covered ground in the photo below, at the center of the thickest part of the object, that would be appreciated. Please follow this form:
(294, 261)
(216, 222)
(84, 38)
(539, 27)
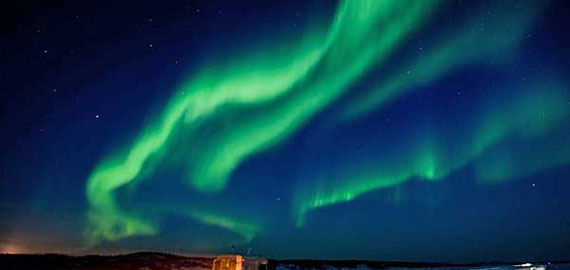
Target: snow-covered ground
(526, 266)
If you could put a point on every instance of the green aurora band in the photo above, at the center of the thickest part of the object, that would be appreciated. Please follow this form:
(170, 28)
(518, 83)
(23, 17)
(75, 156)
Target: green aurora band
(253, 106)
(226, 114)
(497, 41)
(496, 37)
(245, 229)
(534, 112)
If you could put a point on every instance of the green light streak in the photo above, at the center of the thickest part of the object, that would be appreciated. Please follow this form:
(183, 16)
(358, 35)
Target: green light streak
(270, 97)
(480, 38)
(533, 112)
(529, 158)
(542, 142)
(349, 51)
(245, 229)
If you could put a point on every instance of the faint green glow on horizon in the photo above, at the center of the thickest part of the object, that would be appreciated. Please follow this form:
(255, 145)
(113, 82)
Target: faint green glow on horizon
(246, 230)
(266, 100)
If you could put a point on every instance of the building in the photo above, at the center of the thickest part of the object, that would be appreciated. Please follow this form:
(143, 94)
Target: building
(238, 262)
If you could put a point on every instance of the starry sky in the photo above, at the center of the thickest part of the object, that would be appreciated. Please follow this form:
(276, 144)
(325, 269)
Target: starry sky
(368, 129)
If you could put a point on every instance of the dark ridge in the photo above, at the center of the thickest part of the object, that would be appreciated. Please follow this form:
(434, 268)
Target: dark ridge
(139, 260)
(157, 260)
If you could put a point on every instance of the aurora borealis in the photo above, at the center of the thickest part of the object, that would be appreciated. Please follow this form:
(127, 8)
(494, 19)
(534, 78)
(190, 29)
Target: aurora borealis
(351, 129)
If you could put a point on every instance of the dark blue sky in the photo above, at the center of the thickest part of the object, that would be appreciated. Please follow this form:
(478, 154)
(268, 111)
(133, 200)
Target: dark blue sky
(408, 130)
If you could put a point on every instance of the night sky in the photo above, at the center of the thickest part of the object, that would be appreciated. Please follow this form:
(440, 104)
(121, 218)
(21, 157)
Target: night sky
(373, 129)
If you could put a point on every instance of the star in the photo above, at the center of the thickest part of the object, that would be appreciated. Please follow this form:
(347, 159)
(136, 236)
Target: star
(97, 116)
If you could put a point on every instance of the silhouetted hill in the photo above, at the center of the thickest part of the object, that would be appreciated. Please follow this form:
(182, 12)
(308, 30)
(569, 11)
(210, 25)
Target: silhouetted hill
(133, 261)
